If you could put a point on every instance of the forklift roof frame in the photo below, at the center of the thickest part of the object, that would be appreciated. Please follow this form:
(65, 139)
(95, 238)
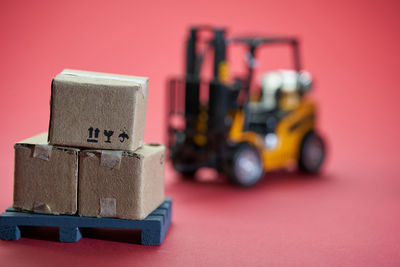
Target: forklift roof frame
(255, 42)
(219, 43)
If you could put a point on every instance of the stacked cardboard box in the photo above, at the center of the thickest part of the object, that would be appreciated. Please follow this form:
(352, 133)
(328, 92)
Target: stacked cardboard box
(93, 161)
(45, 177)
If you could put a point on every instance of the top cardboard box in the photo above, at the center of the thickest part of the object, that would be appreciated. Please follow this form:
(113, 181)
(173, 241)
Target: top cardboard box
(98, 110)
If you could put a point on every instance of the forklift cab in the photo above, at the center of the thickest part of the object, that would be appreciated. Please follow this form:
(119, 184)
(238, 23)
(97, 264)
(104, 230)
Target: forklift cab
(282, 89)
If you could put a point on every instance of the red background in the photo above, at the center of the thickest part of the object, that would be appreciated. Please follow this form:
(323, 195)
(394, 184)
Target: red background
(349, 216)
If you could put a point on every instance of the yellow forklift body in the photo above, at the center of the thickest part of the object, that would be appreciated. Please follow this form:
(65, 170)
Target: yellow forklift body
(290, 131)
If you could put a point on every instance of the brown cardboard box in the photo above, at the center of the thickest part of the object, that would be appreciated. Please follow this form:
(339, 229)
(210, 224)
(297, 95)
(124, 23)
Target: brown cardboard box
(98, 110)
(45, 177)
(128, 185)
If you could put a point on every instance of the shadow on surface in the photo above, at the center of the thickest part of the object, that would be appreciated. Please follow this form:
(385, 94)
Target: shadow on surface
(46, 233)
(131, 236)
(206, 177)
(209, 186)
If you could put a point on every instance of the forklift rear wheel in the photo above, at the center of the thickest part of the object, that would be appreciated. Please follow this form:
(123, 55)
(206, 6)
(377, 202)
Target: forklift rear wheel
(245, 168)
(312, 153)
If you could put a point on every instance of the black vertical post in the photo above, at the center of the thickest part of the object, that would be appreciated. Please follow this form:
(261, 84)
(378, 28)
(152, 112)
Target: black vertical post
(217, 92)
(192, 84)
(218, 99)
(219, 51)
(252, 52)
(296, 55)
(191, 53)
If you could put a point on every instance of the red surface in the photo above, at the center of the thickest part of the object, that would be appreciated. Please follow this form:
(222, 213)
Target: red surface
(349, 217)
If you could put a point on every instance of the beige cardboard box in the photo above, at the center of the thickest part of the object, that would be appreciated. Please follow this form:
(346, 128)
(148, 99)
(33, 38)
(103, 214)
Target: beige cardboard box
(45, 177)
(128, 185)
(98, 110)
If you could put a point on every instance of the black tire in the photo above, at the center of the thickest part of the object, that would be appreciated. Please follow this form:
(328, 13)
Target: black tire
(312, 153)
(188, 175)
(245, 166)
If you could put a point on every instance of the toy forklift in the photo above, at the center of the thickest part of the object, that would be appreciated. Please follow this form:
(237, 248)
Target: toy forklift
(218, 123)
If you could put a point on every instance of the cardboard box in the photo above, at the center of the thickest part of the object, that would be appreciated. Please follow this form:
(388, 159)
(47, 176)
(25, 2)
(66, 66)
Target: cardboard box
(45, 177)
(127, 185)
(98, 110)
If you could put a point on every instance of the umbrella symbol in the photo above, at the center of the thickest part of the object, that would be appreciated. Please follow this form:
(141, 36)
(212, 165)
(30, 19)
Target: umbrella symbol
(123, 136)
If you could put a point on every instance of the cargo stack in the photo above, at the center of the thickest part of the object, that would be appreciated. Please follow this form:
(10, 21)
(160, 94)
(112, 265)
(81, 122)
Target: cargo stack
(93, 161)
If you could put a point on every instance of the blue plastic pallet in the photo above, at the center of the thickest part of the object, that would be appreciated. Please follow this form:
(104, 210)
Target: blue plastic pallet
(153, 227)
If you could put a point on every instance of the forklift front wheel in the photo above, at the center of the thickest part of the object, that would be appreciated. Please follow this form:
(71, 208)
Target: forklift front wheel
(245, 168)
(312, 153)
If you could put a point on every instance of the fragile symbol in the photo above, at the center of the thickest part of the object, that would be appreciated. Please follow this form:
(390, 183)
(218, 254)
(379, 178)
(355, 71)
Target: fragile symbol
(123, 136)
(96, 135)
(108, 134)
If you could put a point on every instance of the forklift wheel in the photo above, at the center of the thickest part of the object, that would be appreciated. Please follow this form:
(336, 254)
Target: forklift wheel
(188, 175)
(312, 153)
(245, 168)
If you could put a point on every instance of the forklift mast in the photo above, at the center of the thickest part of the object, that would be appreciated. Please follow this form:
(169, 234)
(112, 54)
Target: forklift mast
(217, 106)
(219, 46)
(201, 104)
(193, 81)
